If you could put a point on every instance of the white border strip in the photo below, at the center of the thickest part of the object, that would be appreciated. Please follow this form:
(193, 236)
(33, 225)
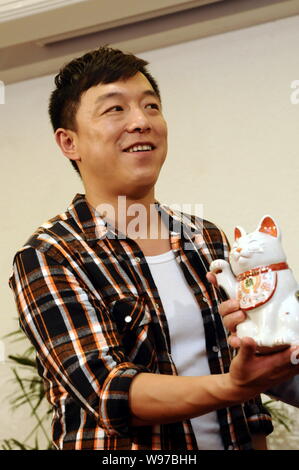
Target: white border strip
(13, 9)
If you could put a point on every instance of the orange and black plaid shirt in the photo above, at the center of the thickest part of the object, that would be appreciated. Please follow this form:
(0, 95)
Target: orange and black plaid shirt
(76, 283)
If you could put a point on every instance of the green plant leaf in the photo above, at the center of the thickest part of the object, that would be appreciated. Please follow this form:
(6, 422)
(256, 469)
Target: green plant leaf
(24, 361)
(6, 445)
(278, 416)
(31, 393)
(17, 333)
(15, 444)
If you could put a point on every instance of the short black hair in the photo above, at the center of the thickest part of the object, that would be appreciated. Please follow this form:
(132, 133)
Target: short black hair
(102, 65)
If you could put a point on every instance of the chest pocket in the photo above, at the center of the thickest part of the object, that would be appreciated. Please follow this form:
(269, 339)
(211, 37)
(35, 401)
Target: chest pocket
(130, 313)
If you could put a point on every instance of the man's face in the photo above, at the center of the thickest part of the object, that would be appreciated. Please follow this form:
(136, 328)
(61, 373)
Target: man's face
(121, 137)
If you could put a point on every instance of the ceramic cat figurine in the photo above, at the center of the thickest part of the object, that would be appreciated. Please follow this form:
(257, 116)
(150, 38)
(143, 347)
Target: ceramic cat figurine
(259, 277)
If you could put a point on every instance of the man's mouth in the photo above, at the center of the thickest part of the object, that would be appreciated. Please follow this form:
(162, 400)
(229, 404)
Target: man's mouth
(140, 148)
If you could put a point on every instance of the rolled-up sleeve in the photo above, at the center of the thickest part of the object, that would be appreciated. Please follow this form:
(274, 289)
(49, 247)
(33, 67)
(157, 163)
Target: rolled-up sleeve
(75, 337)
(114, 406)
(258, 417)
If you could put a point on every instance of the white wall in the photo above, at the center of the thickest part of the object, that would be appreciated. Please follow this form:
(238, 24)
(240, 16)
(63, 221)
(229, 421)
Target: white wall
(233, 130)
(232, 147)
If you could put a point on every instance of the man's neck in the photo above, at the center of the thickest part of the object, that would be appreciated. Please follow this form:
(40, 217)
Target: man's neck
(137, 218)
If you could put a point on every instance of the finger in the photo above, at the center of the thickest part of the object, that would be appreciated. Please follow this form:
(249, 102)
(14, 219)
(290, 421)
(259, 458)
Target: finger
(212, 279)
(228, 306)
(289, 363)
(231, 314)
(282, 363)
(234, 341)
(233, 320)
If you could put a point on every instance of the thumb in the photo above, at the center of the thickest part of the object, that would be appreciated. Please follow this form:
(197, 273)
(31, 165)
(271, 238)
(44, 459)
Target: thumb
(247, 349)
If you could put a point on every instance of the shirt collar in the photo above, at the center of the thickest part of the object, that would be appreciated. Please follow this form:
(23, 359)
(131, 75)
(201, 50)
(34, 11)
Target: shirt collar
(94, 227)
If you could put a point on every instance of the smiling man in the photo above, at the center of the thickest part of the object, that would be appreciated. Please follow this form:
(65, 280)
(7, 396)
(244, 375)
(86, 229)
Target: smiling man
(127, 332)
(111, 156)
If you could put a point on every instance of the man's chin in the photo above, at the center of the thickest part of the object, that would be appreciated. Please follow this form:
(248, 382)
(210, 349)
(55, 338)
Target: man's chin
(140, 185)
(139, 193)
(140, 189)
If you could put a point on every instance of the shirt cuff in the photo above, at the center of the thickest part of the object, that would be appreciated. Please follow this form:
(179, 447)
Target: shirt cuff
(258, 418)
(115, 413)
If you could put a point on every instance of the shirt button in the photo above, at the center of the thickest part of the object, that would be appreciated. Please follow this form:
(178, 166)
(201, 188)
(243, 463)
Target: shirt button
(205, 300)
(157, 306)
(215, 349)
(128, 319)
(137, 259)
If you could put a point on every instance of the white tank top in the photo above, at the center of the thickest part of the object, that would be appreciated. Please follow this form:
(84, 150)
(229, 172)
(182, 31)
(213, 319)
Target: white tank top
(187, 337)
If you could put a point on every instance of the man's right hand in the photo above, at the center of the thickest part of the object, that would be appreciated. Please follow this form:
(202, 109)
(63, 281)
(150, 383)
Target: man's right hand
(251, 373)
(231, 314)
(280, 363)
(159, 398)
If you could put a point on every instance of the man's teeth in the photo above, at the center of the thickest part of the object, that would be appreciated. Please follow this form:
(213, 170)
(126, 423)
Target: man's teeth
(140, 148)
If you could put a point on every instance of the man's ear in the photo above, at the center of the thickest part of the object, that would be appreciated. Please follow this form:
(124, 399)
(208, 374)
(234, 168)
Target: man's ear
(66, 140)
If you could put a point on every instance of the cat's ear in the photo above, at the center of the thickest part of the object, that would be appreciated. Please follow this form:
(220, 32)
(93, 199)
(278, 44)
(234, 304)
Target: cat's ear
(239, 232)
(269, 226)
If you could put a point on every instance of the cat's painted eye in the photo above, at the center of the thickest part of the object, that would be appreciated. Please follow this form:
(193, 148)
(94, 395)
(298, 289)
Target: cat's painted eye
(297, 295)
(253, 245)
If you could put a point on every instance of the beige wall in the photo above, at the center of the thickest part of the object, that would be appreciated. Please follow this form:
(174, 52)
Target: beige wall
(233, 147)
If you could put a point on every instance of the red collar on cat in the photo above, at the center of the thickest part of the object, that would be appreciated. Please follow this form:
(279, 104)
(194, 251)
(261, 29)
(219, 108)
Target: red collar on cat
(262, 269)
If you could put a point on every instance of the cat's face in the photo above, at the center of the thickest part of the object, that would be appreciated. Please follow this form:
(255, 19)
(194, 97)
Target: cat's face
(259, 248)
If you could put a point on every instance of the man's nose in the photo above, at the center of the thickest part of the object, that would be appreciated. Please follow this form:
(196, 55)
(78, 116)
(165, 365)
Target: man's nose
(138, 121)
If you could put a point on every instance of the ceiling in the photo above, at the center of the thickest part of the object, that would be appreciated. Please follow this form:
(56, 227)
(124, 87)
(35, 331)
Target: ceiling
(38, 36)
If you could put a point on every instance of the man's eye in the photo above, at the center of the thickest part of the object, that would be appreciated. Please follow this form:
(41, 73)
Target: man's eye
(114, 108)
(153, 106)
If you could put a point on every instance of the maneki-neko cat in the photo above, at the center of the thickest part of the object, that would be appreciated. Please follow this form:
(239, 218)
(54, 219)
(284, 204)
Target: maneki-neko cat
(259, 277)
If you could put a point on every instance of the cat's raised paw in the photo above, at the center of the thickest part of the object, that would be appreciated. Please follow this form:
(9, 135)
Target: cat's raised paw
(218, 265)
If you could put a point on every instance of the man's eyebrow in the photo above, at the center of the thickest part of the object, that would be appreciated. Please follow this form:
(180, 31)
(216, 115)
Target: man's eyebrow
(151, 93)
(118, 94)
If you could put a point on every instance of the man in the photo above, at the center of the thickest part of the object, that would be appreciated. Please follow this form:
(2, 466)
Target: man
(127, 332)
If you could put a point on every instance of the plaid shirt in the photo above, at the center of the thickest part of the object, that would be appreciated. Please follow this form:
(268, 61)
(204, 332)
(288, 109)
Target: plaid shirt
(76, 283)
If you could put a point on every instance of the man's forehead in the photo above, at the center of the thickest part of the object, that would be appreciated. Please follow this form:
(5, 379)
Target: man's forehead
(118, 94)
(138, 84)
